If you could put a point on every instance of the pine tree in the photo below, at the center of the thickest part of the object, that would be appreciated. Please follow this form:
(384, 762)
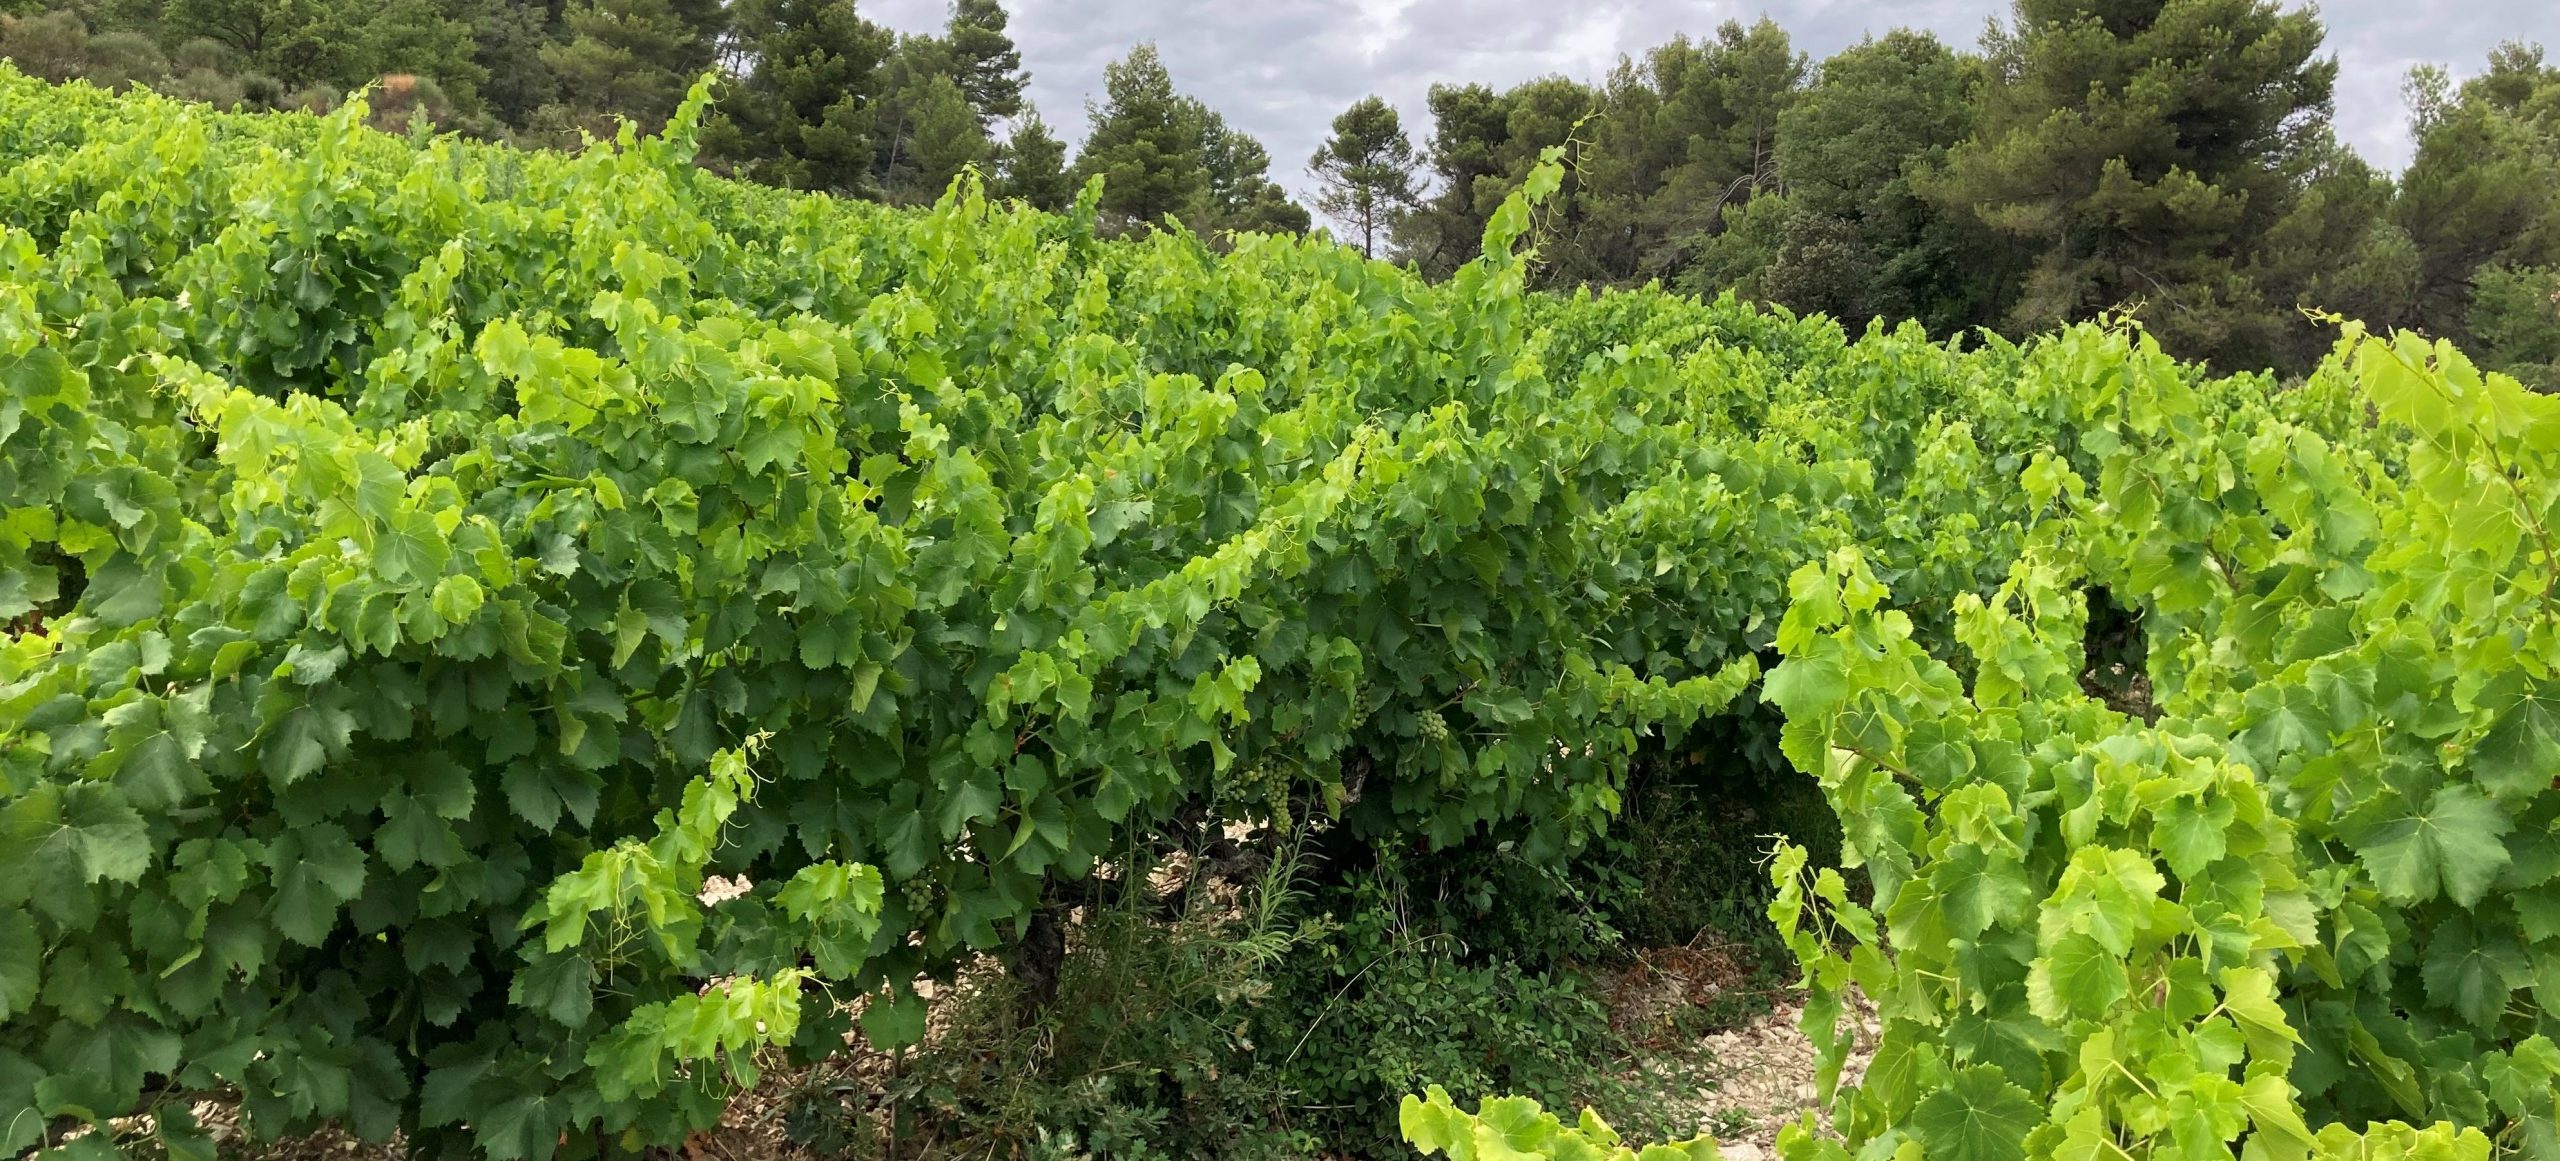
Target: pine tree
(1556, 111)
(803, 117)
(2514, 320)
(293, 40)
(415, 37)
(628, 58)
(1366, 170)
(926, 129)
(939, 135)
(1470, 131)
(1033, 165)
(1143, 144)
(507, 42)
(2479, 194)
(1714, 143)
(2338, 249)
(2134, 152)
(1241, 197)
(1849, 234)
(984, 61)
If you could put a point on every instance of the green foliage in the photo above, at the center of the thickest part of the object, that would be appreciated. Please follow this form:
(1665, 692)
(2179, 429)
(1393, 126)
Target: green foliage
(1449, 979)
(803, 117)
(2174, 161)
(986, 66)
(929, 131)
(2516, 314)
(2477, 195)
(2140, 154)
(1033, 166)
(1151, 1049)
(1141, 144)
(1245, 1001)
(1367, 170)
(628, 59)
(1515, 1127)
(2301, 904)
(2170, 159)
(1852, 235)
(1684, 865)
(2292, 907)
(1686, 136)
(407, 547)
(1469, 122)
(51, 45)
(1240, 195)
(1165, 156)
(396, 529)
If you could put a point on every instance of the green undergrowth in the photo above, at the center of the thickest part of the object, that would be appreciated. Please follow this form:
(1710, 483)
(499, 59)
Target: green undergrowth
(1269, 999)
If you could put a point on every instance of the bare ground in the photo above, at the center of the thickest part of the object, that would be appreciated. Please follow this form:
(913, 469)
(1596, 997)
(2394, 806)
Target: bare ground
(1741, 1083)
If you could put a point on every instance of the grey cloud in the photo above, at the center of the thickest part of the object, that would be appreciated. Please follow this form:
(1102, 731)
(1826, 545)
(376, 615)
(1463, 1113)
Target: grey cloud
(1280, 69)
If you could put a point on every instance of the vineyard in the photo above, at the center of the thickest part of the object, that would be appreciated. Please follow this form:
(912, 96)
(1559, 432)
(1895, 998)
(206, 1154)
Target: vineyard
(427, 565)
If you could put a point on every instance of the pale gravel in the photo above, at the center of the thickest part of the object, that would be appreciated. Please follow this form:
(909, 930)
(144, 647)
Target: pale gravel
(1765, 1069)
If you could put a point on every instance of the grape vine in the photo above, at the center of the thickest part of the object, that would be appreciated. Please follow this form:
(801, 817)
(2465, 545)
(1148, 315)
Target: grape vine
(425, 565)
(394, 531)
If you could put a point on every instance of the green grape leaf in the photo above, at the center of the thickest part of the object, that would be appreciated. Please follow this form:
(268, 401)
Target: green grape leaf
(973, 799)
(2249, 995)
(155, 743)
(2106, 892)
(85, 832)
(1807, 686)
(317, 869)
(893, 1022)
(2273, 1108)
(1977, 1116)
(1432, 1126)
(2473, 972)
(302, 742)
(451, 1093)
(123, 592)
(1939, 755)
(559, 986)
(21, 963)
(2450, 848)
(2190, 834)
(1979, 889)
(2522, 1079)
(527, 1126)
(2520, 755)
(410, 551)
(120, 1052)
(457, 598)
(2076, 979)
(2285, 719)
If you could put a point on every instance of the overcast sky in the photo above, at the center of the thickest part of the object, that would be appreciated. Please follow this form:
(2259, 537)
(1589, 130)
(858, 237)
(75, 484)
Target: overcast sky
(1281, 69)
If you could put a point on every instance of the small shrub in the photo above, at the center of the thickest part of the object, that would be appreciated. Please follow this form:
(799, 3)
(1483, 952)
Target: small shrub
(203, 52)
(218, 89)
(121, 60)
(53, 45)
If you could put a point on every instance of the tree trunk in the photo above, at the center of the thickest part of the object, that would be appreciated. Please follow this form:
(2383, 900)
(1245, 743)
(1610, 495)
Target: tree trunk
(1039, 962)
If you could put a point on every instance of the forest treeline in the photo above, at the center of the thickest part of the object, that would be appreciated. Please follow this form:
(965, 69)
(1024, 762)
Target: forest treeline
(2175, 159)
